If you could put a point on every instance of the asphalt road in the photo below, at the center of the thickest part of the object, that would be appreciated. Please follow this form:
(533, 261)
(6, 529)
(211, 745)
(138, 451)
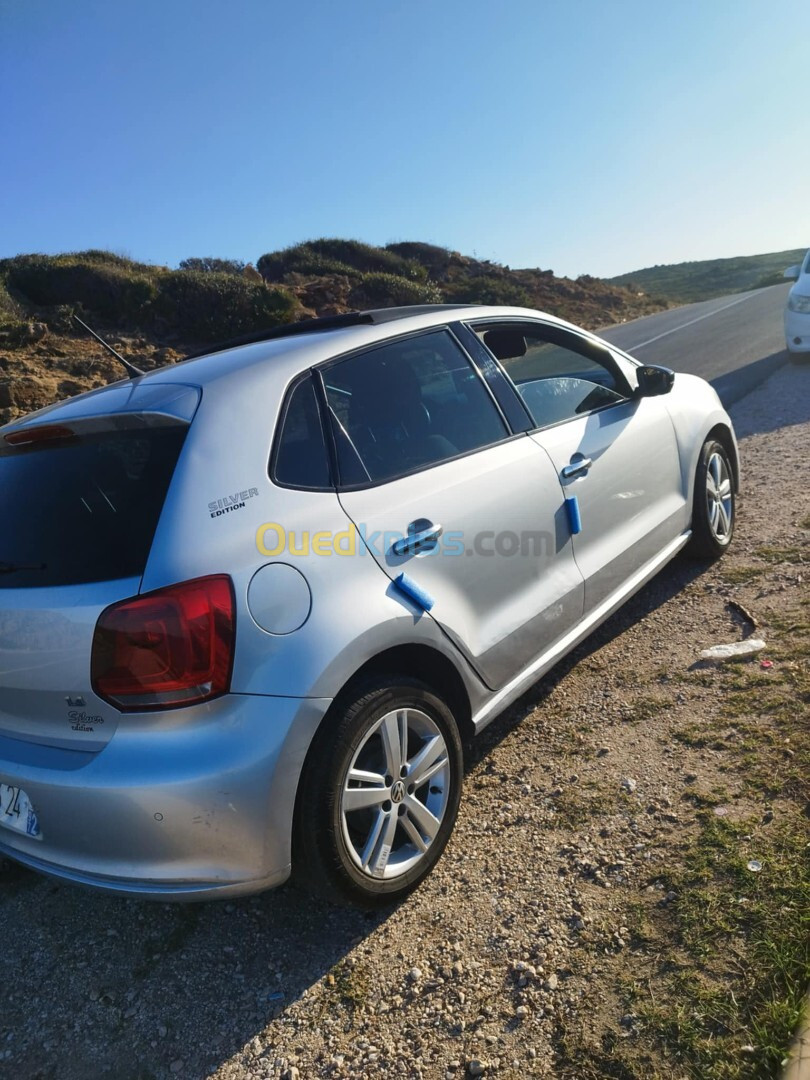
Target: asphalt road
(733, 341)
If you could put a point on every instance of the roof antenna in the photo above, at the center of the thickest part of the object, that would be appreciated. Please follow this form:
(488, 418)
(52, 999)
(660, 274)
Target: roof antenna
(131, 370)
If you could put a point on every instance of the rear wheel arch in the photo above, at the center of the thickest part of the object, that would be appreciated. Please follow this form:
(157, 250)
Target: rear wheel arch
(431, 667)
(422, 663)
(324, 854)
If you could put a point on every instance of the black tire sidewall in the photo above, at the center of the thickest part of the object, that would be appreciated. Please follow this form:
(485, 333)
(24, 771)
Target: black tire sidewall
(320, 834)
(704, 542)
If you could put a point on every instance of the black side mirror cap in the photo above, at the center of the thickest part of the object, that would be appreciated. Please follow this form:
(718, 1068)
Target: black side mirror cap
(654, 381)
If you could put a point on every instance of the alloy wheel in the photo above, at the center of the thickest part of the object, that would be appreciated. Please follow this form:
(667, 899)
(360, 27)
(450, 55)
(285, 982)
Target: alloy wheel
(719, 498)
(395, 793)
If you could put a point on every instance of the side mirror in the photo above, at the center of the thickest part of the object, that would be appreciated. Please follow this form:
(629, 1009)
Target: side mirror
(654, 381)
(792, 273)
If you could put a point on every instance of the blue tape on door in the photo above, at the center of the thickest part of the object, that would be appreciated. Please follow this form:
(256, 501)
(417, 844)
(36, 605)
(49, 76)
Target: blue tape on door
(574, 520)
(421, 597)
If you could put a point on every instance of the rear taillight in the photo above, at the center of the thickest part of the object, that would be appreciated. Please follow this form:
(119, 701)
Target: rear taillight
(42, 434)
(168, 648)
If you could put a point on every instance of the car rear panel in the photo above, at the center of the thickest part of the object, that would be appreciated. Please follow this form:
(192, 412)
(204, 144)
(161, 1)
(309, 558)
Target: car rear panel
(83, 493)
(46, 637)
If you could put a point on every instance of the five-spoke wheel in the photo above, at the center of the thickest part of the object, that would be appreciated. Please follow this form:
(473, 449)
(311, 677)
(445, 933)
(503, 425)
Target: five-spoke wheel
(396, 793)
(380, 793)
(713, 513)
(719, 497)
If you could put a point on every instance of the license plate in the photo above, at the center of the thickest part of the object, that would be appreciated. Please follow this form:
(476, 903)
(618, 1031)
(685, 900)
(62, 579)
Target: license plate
(16, 811)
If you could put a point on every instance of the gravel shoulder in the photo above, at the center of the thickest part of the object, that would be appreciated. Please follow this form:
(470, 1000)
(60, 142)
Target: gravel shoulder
(598, 814)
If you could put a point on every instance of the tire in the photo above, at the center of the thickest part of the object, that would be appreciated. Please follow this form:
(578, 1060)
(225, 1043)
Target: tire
(714, 510)
(374, 847)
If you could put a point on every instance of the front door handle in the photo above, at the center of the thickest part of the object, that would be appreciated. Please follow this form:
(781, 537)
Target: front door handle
(421, 536)
(576, 468)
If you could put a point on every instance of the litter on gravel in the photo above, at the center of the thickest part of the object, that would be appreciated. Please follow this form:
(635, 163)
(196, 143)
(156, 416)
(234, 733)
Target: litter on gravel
(733, 651)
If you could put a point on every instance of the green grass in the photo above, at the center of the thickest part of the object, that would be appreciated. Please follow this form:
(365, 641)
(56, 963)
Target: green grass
(746, 943)
(691, 281)
(350, 986)
(719, 975)
(647, 706)
(741, 575)
(775, 555)
(744, 937)
(699, 736)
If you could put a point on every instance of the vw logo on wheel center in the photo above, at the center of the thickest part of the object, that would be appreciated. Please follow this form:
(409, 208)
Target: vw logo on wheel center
(398, 792)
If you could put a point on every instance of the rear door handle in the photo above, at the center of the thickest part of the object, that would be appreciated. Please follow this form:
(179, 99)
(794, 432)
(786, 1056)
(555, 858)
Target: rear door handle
(421, 536)
(576, 468)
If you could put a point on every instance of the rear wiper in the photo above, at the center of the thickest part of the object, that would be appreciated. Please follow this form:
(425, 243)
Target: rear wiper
(12, 568)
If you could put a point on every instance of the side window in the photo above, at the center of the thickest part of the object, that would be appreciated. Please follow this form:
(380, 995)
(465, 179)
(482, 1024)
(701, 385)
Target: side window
(408, 405)
(558, 374)
(301, 459)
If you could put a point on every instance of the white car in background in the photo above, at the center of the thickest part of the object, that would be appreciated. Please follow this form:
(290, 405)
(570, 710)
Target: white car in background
(797, 312)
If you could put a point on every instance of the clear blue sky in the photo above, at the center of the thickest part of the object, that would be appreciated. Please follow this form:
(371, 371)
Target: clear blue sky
(587, 136)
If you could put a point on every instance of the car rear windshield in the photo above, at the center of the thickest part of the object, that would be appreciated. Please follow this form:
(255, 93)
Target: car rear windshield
(84, 507)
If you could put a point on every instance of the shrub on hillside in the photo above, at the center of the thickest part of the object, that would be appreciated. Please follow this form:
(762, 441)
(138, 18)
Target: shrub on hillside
(488, 290)
(300, 259)
(108, 287)
(318, 258)
(210, 306)
(388, 290)
(366, 258)
(110, 258)
(210, 265)
(436, 260)
(10, 311)
(773, 277)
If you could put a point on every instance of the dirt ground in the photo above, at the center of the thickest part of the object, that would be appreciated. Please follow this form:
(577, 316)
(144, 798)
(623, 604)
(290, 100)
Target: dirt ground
(559, 902)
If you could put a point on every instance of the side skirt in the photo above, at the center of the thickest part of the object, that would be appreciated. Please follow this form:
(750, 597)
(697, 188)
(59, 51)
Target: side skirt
(498, 702)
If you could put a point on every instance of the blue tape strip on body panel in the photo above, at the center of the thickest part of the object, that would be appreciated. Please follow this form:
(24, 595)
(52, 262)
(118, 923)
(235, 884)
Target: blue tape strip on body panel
(414, 592)
(574, 520)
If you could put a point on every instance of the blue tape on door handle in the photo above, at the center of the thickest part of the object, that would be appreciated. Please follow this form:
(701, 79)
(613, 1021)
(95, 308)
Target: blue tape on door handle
(421, 597)
(574, 520)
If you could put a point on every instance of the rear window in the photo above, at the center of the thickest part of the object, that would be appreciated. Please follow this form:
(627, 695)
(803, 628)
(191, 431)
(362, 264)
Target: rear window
(301, 458)
(84, 508)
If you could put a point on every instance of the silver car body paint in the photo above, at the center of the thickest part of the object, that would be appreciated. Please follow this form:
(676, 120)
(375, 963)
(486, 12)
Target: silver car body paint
(193, 802)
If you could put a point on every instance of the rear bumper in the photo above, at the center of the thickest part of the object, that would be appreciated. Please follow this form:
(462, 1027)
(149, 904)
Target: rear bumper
(184, 891)
(185, 805)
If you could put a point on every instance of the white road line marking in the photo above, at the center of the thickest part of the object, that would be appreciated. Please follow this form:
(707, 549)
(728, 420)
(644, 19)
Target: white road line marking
(691, 322)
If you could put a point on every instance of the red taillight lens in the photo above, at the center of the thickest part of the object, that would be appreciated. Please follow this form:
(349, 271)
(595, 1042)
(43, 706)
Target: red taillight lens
(43, 433)
(168, 648)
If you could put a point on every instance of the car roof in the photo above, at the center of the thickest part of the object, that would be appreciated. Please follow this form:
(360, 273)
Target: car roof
(295, 350)
(290, 350)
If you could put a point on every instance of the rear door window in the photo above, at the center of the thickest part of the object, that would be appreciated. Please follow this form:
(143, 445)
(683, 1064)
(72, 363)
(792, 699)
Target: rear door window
(83, 507)
(408, 405)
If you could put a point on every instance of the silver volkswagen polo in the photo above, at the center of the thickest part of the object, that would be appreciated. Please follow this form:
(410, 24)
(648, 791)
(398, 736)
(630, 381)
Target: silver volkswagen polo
(251, 604)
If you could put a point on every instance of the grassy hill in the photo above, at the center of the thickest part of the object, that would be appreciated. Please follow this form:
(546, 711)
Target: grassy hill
(687, 282)
(156, 314)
